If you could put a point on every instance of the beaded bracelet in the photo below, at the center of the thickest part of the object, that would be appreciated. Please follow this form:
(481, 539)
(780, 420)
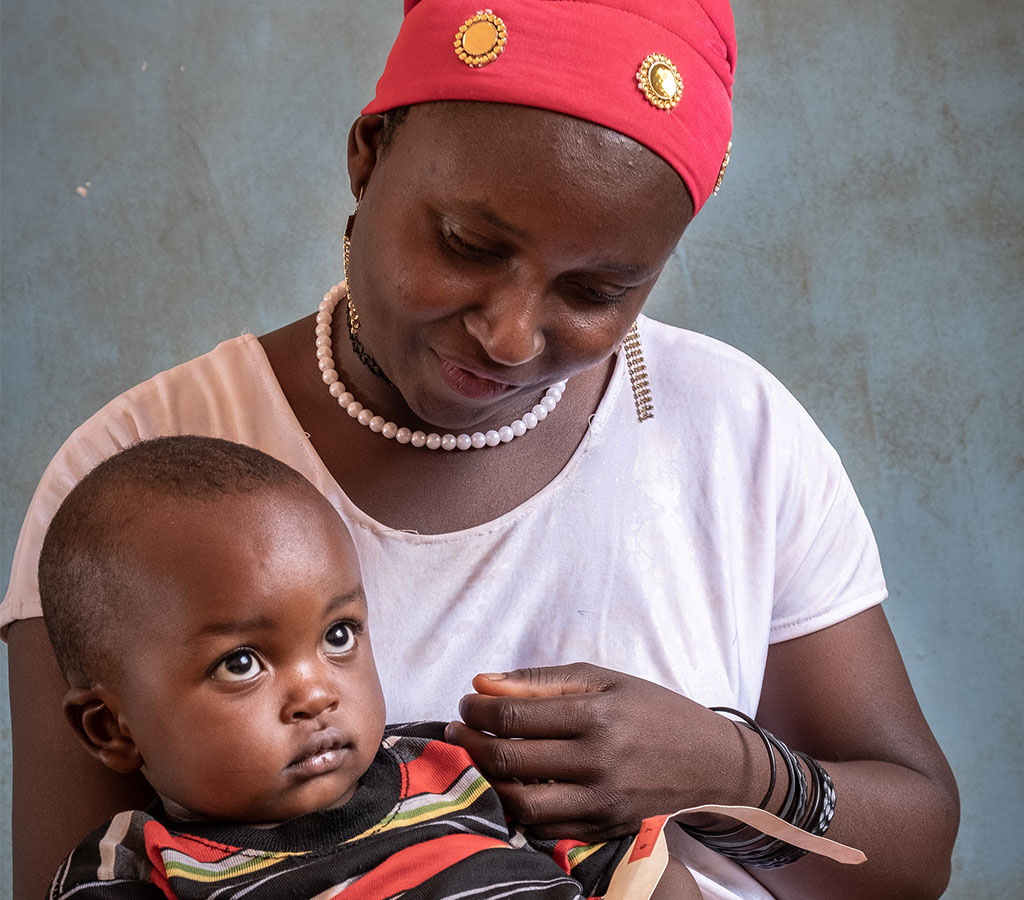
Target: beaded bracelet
(809, 807)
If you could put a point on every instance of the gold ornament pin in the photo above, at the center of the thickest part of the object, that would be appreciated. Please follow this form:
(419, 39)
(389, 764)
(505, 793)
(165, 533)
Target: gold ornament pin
(660, 81)
(480, 39)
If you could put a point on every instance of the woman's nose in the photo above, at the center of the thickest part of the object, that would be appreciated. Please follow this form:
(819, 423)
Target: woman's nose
(508, 328)
(310, 692)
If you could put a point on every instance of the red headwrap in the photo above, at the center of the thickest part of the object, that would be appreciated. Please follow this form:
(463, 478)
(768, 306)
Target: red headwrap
(587, 58)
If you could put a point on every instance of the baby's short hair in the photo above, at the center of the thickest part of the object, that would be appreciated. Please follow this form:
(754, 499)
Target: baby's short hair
(84, 566)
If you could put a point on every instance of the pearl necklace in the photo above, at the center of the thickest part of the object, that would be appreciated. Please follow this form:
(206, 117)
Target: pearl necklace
(390, 430)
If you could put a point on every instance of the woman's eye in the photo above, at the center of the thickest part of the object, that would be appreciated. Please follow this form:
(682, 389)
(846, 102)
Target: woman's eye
(466, 248)
(239, 666)
(339, 638)
(610, 295)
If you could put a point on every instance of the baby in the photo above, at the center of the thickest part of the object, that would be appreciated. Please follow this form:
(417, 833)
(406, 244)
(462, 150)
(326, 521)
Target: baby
(205, 605)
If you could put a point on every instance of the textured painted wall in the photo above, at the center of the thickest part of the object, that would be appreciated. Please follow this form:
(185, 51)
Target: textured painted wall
(173, 174)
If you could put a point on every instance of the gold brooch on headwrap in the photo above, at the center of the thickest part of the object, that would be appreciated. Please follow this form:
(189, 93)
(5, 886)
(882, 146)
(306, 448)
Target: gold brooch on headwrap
(481, 39)
(660, 81)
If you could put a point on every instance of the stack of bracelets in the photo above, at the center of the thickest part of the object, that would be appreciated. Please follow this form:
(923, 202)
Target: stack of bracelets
(808, 807)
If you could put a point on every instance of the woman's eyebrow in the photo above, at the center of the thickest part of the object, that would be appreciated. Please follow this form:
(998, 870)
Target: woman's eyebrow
(492, 218)
(625, 270)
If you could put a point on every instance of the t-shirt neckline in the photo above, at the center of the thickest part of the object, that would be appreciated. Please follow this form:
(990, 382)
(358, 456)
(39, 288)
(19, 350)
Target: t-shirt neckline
(329, 486)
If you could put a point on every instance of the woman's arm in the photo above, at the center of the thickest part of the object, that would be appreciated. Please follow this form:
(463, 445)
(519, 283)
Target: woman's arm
(60, 792)
(842, 695)
(617, 748)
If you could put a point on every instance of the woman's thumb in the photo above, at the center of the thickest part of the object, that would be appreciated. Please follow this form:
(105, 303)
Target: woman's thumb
(543, 681)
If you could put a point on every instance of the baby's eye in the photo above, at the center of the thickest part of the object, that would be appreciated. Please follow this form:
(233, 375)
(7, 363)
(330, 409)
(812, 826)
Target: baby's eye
(340, 638)
(238, 666)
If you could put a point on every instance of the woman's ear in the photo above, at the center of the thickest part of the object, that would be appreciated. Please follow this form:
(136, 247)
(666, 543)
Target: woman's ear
(363, 150)
(99, 730)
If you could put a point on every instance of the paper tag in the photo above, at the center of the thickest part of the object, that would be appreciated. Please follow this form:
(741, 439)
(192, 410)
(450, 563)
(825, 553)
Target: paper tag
(647, 838)
(640, 870)
(636, 877)
(772, 825)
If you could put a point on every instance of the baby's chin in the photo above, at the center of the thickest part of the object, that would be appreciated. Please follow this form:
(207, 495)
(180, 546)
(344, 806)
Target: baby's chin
(270, 818)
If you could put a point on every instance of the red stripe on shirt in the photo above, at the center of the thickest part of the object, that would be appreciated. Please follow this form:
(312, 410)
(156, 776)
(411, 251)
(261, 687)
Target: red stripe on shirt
(412, 866)
(436, 769)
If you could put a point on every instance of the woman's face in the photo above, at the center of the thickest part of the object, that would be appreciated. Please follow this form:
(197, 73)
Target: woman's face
(499, 249)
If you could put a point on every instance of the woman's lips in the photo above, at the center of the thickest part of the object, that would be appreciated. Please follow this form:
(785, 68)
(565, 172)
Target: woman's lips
(471, 385)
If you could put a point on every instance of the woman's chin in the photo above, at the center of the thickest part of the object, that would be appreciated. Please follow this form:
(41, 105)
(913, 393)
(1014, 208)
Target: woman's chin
(467, 417)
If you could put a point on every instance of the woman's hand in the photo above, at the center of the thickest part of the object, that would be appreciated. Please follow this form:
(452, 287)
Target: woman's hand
(586, 752)
(618, 748)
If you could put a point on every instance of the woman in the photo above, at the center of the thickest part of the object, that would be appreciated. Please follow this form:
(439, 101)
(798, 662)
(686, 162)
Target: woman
(521, 178)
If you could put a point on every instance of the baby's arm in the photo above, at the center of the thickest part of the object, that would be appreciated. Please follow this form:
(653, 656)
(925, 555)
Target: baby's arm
(676, 883)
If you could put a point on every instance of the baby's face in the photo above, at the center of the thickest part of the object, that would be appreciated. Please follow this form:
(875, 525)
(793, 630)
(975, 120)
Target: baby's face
(248, 683)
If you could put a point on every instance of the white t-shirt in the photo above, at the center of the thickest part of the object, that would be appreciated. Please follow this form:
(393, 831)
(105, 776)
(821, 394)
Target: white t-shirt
(675, 549)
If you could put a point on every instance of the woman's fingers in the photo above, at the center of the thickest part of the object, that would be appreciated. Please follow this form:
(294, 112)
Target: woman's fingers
(548, 702)
(556, 810)
(575, 744)
(545, 681)
(526, 717)
(503, 759)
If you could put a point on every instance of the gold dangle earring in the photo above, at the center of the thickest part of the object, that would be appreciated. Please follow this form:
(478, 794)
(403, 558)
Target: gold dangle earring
(642, 398)
(346, 243)
(353, 317)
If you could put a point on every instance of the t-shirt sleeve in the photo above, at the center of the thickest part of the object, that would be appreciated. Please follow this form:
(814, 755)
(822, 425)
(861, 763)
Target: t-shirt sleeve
(100, 437)
(827, 563)
(229, 393)
(592, 865)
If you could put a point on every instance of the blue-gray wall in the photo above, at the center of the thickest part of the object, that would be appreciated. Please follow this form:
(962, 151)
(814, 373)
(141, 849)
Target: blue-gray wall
(173, 174)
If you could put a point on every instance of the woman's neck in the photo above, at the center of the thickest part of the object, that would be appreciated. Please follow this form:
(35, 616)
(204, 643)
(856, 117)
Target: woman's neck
(431, 492)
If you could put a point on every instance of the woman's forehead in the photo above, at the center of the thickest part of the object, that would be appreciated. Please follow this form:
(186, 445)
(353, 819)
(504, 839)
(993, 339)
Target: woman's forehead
(589, 196)
(537, 148)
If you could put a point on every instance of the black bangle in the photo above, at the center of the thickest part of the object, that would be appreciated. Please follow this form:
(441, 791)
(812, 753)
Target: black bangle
(824, 808)
(760, 732)
(809, 804)
(701, 833)
(763, 851)
(711, 836)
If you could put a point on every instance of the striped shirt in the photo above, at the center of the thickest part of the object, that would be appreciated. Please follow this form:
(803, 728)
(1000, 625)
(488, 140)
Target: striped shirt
(424, 823)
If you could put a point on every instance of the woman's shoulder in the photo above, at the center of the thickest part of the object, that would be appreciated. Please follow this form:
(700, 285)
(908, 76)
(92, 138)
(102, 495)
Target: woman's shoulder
(698, 373)
(201, 387)
(229, 392)
(687, 353)
(209, 394)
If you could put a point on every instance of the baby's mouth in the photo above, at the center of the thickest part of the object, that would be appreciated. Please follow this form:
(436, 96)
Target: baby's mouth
(321, 753)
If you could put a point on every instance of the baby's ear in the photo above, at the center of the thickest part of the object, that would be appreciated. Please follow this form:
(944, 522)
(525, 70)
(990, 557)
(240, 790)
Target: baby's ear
(98, 729)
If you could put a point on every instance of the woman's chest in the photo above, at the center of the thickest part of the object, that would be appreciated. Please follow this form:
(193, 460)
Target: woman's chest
(650, 585)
